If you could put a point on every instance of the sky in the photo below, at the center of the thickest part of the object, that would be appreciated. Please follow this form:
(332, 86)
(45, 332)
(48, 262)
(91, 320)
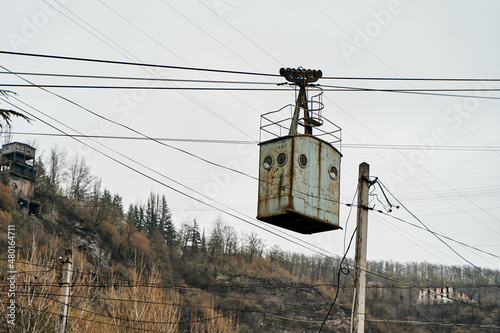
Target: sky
(436, 154)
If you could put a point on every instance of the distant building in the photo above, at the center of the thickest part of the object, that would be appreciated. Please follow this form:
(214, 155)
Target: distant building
(17, 169)
(442, 295)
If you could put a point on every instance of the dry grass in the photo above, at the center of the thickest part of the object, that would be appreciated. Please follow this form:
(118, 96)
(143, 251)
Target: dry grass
(97, 304)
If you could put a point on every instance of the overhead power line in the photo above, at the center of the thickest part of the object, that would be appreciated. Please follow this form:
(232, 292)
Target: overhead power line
(68, 86)
(282, 88)
(245, 219)
(414, 91)
(115, 62)
(336, 88)
(429, 323)
(438, 236)
(116, 137)
(222, 141)
(134, 78)
(108, 77)
(408, 79)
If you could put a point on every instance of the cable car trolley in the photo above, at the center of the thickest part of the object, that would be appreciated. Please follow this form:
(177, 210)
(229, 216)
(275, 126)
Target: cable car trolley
(299, 173)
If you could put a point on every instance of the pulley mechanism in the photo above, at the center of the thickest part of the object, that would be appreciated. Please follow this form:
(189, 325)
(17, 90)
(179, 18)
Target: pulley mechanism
(302, 78)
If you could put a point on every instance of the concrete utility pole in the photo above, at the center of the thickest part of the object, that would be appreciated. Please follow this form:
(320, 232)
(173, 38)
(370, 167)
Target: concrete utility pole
(67, 270)
(358, 323)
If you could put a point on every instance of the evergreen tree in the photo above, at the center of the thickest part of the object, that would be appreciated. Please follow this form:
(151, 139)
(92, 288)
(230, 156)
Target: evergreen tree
(203, 242)
(140, 221)
(195, 236)
(166, 223)
(131, 218)
(151, 218)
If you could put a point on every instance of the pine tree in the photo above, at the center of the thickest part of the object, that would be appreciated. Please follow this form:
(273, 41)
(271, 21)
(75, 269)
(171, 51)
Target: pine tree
(203, 242)
(131, 217)
(151, 219)
(195, 236)
(140, 221)
(166, 223)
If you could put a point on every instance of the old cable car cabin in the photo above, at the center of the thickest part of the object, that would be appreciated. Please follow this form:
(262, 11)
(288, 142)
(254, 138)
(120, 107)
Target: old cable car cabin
(299, 187)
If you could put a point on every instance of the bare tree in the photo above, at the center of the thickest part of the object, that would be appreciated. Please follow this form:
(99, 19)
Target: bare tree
(253, 245)
(80, 179)
(56, 166)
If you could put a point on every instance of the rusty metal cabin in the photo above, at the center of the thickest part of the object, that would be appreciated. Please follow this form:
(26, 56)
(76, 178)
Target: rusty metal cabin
(299, 174)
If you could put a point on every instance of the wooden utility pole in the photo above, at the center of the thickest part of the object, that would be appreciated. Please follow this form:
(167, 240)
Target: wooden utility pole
(67, 270)
(358, 323)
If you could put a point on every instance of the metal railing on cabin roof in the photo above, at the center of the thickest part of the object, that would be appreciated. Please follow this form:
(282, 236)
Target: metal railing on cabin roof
(276, 124)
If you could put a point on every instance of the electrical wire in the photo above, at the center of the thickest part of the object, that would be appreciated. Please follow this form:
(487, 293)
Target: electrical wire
(193, 155)
(148, 137)
(66, 86)
(234, 89)
(438, 237)
(134, 78)
(159, 286)
(337, 88)
(155, 40)
(429, 323)
(283, 88)
(216, 208)
(412, 90)
(323, 13)
(342, 269)
(249, 142)
(101, 322)
(132, 57)
(417, 92)
(420, 166)
(408, 79)
(115, 62)
(420, 246)
(276, 233)
(129, 128)
(439, 234)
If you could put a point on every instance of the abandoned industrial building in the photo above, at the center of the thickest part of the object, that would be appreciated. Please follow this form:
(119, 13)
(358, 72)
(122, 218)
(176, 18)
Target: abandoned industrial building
(442, 295)
(17, 170)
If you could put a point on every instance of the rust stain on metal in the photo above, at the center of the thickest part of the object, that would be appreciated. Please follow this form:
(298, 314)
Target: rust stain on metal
(302, 198)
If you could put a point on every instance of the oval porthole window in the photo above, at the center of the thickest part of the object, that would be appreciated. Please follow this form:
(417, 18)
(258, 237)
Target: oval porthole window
(268, 162)
(303, 160)
(281, 159)
(334, 173)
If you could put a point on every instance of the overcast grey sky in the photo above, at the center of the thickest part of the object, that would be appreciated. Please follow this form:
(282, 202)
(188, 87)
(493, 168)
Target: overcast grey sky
(455, 192)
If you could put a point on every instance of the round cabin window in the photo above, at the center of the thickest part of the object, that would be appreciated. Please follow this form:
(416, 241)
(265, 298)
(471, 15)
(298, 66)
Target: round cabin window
(268, 162)
(334, 173)
(303, 160)
(281, 159)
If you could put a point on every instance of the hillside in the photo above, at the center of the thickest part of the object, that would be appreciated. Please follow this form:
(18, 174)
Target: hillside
(134, 270)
